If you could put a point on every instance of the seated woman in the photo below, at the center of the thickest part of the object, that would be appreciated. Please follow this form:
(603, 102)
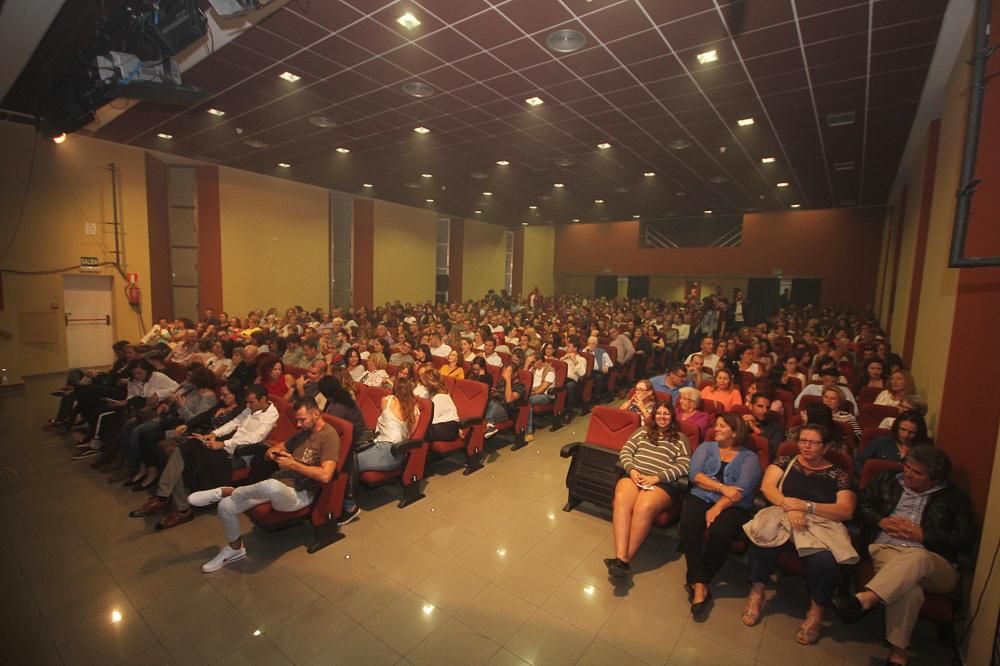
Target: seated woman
(453, 368)
(422, 354)
(352, 361)
(340, 403)
(479, 372)
(642, 401)
(916, 403)
(805, 486)
(834, 398)
(271, 375)
(722, 390)
(656, 459)
(506, 394)
(900, 385)
(724, 478)
(444, 424)
(216, 360)
(689, 403)
(907, 430)
(789, 374)
(745, 361)
(467, 352)
(377, 375)
(872, 374)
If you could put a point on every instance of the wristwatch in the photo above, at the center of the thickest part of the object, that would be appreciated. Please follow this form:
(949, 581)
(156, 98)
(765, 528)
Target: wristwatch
(810, 507)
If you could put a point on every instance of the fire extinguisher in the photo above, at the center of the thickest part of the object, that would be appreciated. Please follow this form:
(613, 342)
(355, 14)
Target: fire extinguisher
(132, 289)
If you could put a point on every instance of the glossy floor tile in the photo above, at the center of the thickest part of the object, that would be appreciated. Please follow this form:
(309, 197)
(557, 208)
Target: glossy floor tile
(486, 569)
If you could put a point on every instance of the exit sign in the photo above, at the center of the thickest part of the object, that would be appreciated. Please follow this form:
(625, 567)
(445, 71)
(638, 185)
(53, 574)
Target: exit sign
(89, 262)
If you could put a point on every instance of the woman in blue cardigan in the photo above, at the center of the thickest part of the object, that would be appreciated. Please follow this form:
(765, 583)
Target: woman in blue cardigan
(724, 478)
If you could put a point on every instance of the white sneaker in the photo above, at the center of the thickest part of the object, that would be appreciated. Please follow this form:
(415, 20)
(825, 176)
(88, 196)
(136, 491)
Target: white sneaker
(226, 556)
(205, 497)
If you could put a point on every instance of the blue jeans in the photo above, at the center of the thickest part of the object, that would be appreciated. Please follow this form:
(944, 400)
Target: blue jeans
(377, 457)
(538, 399)
(133, 450)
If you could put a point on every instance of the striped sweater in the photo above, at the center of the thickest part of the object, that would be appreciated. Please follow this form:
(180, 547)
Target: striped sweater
(668, 459)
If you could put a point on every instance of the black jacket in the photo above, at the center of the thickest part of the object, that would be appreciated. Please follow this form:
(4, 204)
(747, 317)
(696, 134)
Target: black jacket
(948, 524)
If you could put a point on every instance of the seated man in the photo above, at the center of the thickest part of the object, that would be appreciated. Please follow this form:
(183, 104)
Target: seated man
(205, 459)
(245, 372)
(921, 523)
(307, 385)
(438, 346)
(404, 355)
(829, 377)
(293, 352)
(306, 462)
(621, 342)
(504, 395)
(490, 354)
(672, 381)
(602, 365)
(310, 353)
(543, 378)
(576, 369)
(759, 424)
(707, 350)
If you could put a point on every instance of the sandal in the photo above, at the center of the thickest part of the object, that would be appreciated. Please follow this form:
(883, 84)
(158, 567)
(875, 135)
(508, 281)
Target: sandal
(752, 610)
(808, 631)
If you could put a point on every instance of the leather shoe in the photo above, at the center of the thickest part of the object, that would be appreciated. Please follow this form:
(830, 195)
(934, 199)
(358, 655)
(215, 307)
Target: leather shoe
(849, 608)
(701, 606)
(153, 505)
(174, 519)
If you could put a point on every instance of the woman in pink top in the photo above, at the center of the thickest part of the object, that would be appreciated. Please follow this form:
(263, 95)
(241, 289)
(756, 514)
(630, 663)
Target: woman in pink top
(722, 390)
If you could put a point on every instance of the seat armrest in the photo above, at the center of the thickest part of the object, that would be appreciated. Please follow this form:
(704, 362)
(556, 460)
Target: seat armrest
(569, 450)
(406, 445)
(558, 389)
(470, 421)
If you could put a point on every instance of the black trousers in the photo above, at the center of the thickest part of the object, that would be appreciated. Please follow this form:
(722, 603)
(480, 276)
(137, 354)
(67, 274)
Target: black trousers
(823, 574)
(706, 555)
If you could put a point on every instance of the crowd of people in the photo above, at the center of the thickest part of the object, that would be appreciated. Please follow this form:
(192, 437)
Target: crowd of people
(192, 401)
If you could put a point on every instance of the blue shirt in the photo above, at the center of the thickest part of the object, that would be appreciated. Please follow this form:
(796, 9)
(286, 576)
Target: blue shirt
(659, 383)
(743, 471)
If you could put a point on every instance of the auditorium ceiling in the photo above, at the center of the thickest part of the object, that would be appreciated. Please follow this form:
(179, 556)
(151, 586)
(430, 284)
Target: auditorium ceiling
(643, 121)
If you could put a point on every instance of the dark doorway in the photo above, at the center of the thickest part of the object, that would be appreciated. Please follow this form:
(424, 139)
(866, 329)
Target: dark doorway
(763, 299)
(806, 291)
(638, 286)
(606, 286)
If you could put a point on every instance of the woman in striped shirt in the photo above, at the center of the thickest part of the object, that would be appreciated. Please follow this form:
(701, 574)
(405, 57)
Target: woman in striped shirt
(656, 460)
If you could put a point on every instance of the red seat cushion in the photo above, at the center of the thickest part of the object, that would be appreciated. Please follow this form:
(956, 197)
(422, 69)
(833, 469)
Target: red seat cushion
(266, 515)
(374, 477)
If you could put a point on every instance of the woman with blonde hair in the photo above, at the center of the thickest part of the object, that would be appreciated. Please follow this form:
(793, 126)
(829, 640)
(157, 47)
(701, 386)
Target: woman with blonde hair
(377, 375)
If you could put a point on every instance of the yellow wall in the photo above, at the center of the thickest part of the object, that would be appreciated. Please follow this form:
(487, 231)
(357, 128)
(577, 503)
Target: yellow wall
(911, 218)
(275, 243)
(405, 246)
(983, 630)
(539, 253)
(484, 250)
(69, 186)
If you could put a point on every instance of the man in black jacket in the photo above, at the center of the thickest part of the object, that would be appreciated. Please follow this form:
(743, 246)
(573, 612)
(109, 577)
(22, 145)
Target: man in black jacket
(917, 524)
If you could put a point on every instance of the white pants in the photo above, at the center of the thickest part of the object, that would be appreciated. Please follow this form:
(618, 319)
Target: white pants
(280, 495)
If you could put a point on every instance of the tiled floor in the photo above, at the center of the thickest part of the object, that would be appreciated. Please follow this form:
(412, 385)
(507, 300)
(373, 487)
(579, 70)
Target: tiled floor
(487, 569)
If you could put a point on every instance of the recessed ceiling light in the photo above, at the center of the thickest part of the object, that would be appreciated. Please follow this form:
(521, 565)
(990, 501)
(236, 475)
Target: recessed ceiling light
(479, 175)
(708, 211)
(767, 160)
(678, 144)
(680, 194)
(288, 76)
(429, 200)
(216, 112)
(532, 207)
(565, 41)
(59, 138)
(323, 121)
(164, 135)
(564, 161)
(502, 162)
(717, 179)
(421, 130)
(343, 151)
(535, 101)
(636, 216)
(524, 224)
(604, 146)
(598, 201)
(707, 57)
(796, 205)
(649, 174)
(426, 175)
(408, 21)
(840, 119)
(576, 219)
(417, 89)
(367, 185)
(782, 184)
(744, 122)
(254, 143)
(487, 194)
(284, 165)
(478, 212)
(559, 185)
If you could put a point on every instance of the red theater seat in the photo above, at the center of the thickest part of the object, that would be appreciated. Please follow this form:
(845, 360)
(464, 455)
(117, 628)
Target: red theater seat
(872, 415)
(411, 472)
(470, 399)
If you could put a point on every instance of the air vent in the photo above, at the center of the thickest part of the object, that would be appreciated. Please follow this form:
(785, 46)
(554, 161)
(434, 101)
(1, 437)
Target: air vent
(843, 166)
(417, 89)
(840, 119)
(679, 144)
(566, 41)
(323, 121)
(564, 162)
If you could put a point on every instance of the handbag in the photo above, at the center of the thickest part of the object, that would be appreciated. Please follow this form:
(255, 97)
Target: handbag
(765, 528)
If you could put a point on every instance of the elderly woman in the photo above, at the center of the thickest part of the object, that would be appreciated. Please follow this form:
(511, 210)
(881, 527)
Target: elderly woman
(656, 458)
(377, 375)
(724, 478)
(689, 404)
(642, 400)
(806, 487)
(907, 430)
(900, 385)
(722, 390)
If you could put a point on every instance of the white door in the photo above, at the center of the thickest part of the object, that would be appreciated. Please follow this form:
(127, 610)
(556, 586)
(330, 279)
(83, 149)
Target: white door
(89, 330)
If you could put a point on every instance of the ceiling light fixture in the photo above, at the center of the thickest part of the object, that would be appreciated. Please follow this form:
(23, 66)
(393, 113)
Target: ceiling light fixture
(532, 207)
(678, 144)
(558, 185)
(164, 135)
(426, 175)
(524, 224)
(649, 174)
(421, 130)
(367, 185)
(502, 162)
(59, 138)
(487, 194)
(795, 205)
(408, 21)
(417, 89)
(217, 112)
(284, 165)
(603, 146)
(767, 160)
(708, 211)
(636, 216)
(744, 122)
(576, 219)
(288, 76)
(564, 162)
(782, 184)
(598, 201)
(565, 41)
(429, 200)
(535, 101)
(478, 212)
(343, 151)
(323, 121)
(707, 57)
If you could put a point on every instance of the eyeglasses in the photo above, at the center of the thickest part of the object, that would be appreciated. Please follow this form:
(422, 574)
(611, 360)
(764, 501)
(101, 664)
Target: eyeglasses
(811, 442)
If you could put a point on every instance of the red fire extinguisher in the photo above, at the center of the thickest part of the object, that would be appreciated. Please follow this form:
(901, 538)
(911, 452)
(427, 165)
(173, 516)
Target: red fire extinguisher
(132, 288)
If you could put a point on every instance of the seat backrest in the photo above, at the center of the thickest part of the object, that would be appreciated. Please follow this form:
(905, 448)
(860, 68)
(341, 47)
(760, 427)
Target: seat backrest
(449, 381)
(807, 400)
(560, 369)
(424, 420)
(796, 385)
(494, 373)
(504, 356)
(525, 378)
(295, 371)
(711, 407)
(285, 425)
(346, 432)
(590, 362)
(470, 398)
(872, 415)
(369, 401)
(438, 361)
(875, 466)
(739, 409)
(692, 432)
(705, 383)
(610, 428)
(612, 351)
(867, 394)
(391, 369)
(176, 371)
(870, 433)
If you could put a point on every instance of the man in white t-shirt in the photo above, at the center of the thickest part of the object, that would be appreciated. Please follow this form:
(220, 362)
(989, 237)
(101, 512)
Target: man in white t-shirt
(438, 347)
(708, 356)
(543, 377)
(490, 354)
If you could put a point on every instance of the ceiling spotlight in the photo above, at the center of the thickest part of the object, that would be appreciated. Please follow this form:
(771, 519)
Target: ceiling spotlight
(678, 144)
(598, 201)
(604, 146)
(367, 185)
(535, 101)
(767, 160)
(576, 219)
(323, 121)
(343, 151)
(782, 184)
(707, 57)
(565, 41)
(417, 89)
(796, 205)
(408, 21)
(254, 143)
(708, 211)
(116, 616)
(649, 174)
(164, 135)
(217, 113)
(288, 76)
(429, 200)
(636, 216)
(502, 162)
(487, 194)
(284, 165)
(559, 185)
(59, 138)
(532, 207)
(744, 122)
(421, 130)
(426, 175)
(524, 224)
(478, 212)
